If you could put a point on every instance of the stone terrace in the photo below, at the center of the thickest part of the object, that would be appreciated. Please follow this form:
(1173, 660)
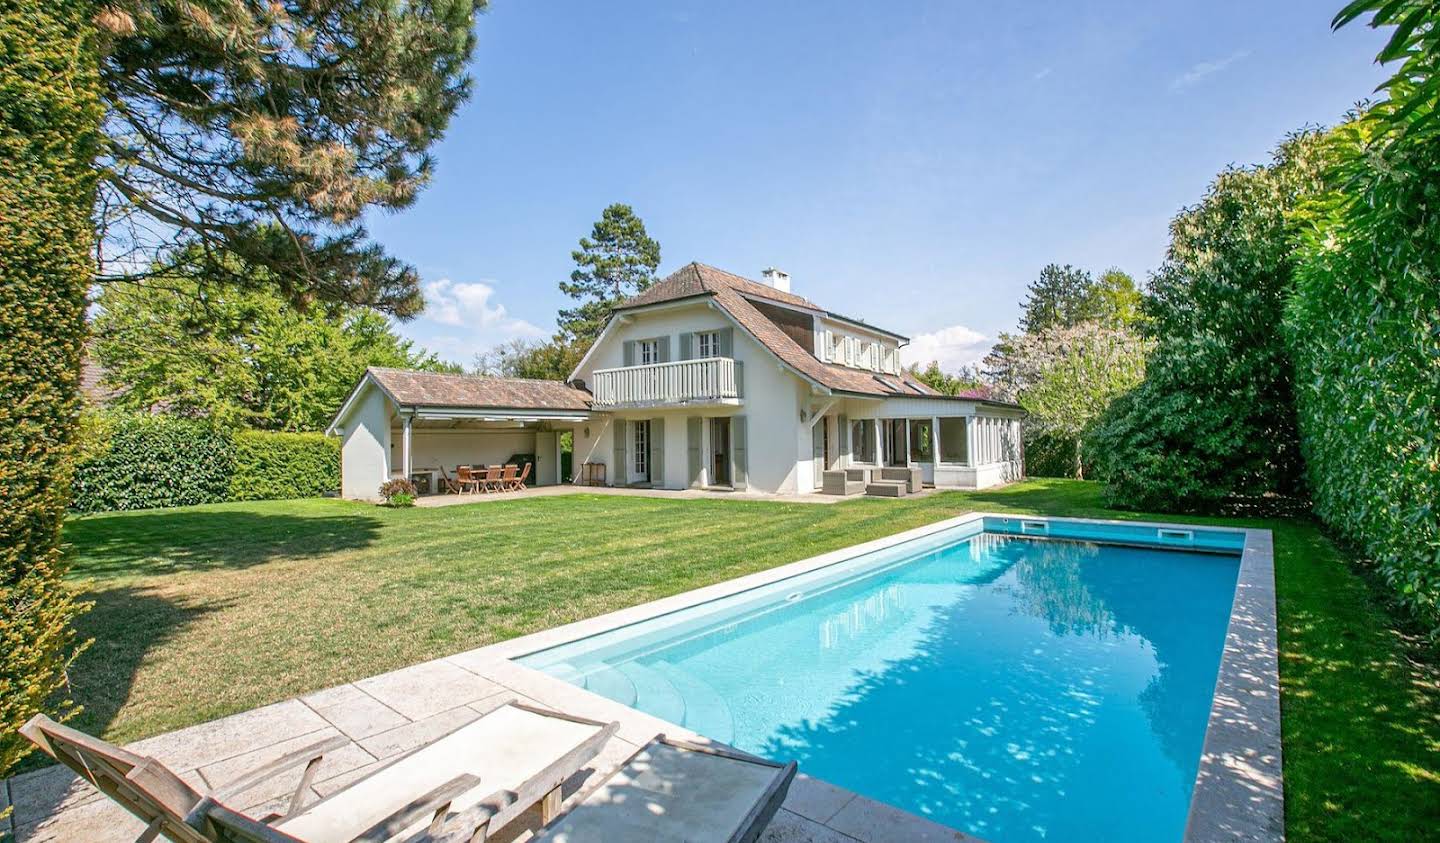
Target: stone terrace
(387, 715)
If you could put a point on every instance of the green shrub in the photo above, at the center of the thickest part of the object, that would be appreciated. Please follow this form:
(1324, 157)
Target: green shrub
(274, 466)
(1049, 456)
(143, 461)
(1365, 326)
(49, 133)
(1214, 419)
(398, 492)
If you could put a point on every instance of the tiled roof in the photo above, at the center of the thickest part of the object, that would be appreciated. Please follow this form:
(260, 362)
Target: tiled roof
(432, 389)
(698, 279)
(732, 292)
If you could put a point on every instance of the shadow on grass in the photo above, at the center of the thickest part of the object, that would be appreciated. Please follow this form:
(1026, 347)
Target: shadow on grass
(170, 541)
(1361, 704)
(124, 626)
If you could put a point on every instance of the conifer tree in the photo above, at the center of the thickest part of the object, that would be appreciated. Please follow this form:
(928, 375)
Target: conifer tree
(615, 262)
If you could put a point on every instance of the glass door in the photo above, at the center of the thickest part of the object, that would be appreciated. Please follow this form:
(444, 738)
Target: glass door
(922, 448)
(640, 464)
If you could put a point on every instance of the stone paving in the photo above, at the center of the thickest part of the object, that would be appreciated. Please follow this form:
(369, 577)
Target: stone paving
(681, 494)
(389, 714)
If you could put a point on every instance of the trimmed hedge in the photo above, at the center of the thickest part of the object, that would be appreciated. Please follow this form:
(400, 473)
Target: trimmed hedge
(1365, 326)
(49, 134)
(270, 465)
(137, 461)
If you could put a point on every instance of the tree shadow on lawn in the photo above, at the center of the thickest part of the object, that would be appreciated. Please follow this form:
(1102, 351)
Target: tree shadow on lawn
(159, 542)
(123, 627)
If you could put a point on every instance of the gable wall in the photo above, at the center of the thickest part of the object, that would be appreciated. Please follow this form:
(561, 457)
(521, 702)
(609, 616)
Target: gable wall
(772, 402)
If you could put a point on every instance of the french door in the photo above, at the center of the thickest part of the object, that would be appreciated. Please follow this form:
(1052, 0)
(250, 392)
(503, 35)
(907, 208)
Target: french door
(640, 462)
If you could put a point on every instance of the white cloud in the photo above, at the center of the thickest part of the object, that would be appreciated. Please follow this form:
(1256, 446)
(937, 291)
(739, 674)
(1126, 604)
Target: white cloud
(1043, 72)
(470, 304)
(953, 347)
(462, 318)
(1204, 69)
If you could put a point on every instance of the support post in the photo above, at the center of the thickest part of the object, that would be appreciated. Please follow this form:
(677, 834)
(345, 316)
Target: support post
(935, 448)
(970, 441)
(405, 466)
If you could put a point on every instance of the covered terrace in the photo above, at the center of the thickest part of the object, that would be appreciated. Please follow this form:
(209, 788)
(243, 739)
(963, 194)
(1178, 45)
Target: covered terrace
(422, 425)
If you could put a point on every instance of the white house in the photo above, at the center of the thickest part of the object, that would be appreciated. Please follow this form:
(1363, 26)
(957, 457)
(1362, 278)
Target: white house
(705, 380)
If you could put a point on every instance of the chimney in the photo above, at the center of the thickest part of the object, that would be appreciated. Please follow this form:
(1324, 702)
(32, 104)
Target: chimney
(777, 279)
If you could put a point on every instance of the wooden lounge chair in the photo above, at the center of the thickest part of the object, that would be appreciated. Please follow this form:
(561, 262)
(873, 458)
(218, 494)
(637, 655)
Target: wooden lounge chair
(507, 479)
(518, 484)
(671, 791)
(517, 754)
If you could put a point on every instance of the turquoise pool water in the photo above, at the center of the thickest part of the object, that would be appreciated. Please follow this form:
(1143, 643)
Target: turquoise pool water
(1015, 688)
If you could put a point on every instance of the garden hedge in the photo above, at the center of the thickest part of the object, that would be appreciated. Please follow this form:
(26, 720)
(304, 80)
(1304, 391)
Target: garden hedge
(271, 465)
(49, 133)
(141, 461)
(1364, 324)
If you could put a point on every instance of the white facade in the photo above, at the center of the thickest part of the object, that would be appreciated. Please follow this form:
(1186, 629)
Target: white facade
(788, 427)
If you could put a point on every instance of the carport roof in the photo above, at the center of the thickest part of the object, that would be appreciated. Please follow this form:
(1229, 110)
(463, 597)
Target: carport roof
(410, 388)
(433, 395)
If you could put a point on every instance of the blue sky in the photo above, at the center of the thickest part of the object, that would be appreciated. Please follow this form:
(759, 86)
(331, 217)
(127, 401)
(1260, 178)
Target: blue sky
(913, 164)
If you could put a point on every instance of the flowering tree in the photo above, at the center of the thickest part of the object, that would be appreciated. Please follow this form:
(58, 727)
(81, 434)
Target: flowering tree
(1065, 378)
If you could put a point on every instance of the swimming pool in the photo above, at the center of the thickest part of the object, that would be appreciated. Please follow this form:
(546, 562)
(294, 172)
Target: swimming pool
(1018, 679)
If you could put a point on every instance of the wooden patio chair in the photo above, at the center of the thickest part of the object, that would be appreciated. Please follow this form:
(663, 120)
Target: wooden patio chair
(469, 479)
(449, 485)
(671, 791)
(517, 754)
(518, 484)
(492, 483)
(507, 479)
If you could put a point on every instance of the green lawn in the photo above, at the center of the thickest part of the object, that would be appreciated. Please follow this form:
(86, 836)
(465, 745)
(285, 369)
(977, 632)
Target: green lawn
(206, 611)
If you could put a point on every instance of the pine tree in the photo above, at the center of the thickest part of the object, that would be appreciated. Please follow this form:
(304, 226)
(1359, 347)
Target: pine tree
(617, 261)
(262, 132)
(1057, 299)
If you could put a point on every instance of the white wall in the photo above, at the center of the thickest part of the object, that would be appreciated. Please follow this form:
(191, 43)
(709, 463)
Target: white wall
(771, 404)
(461, 446)
(365, 448)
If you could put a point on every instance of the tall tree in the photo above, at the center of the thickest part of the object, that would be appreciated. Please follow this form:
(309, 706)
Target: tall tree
(615, 262)
(49, 132)
(1214, 419)
(1057, 299)
(1113, 300)
(239, 356)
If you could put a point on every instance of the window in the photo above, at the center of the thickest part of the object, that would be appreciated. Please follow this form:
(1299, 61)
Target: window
(649, 352)
(952, 441)
(837, 348)
(708, 344)
(862, 440)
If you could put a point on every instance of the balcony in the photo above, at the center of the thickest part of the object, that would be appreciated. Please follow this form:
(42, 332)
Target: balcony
(709, 380)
